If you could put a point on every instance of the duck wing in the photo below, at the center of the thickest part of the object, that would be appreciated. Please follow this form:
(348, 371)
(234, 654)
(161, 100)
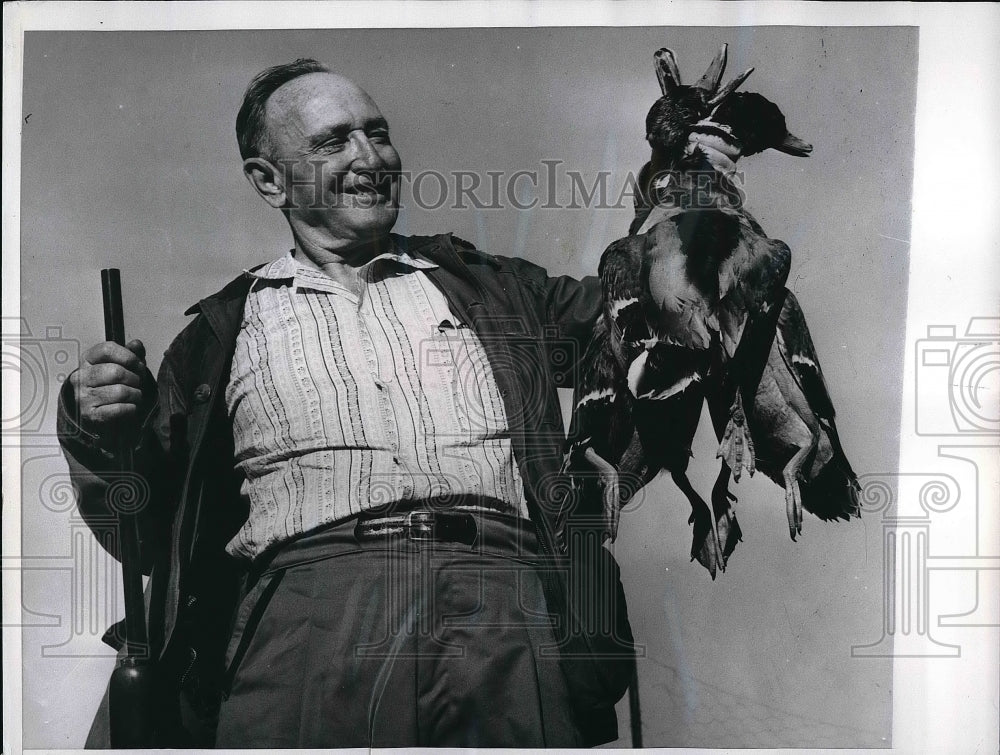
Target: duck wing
(624, 292)
(751, 279)
(830, 489)
(604, 459)
(602, 413)
(797, 351)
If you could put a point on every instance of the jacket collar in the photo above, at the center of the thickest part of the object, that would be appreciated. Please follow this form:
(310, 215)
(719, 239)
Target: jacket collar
(450, 253)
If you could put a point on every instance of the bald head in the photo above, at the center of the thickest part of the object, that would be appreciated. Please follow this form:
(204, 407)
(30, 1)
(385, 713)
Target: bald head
(310, 85)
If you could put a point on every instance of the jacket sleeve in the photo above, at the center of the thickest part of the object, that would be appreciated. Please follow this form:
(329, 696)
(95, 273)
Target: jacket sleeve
(568, 309)
(103, 490)
(573, 307)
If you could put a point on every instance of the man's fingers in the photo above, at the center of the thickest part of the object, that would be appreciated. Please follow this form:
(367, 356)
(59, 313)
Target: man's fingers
(106, 395)
(109, 373)
(136, 347)
(109, 352)
(108, 388)
(113, 413)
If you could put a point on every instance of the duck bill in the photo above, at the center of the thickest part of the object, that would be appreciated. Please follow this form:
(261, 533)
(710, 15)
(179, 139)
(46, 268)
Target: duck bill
(792, 145)
(667, 72)
(709, 82)
(729, 88)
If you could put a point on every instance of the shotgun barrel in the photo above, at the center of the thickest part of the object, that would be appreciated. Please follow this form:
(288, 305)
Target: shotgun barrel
(130, 693)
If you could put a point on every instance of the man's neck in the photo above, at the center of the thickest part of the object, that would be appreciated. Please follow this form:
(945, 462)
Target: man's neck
(340, 262)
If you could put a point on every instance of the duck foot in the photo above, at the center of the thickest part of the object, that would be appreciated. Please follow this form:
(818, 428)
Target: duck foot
(610, 491)
(710, 552)
(736, 447)
(722, 499)
(793, 506)
(704, 547)
(793, 495)
(705, 519)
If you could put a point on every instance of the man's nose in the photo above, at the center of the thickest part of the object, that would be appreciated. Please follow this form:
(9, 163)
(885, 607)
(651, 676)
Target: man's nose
(365, 156)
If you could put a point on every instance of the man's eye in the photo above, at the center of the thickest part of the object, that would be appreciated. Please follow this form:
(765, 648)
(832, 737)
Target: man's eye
(334, 145)
(379, 135)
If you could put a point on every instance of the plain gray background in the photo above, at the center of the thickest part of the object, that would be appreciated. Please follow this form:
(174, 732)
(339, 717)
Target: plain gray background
(129, 160)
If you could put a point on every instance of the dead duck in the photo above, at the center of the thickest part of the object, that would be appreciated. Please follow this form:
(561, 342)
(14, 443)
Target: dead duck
(677, 297)
(671, 117)
(792, 435)
(744, 124)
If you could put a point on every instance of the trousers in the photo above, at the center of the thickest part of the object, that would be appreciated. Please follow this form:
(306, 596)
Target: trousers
(391, 642)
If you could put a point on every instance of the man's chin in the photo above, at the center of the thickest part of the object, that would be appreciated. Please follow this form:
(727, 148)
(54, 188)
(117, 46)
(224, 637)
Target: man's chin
(371, 221)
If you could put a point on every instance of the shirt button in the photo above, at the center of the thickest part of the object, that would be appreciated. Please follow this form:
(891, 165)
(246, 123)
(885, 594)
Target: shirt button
(202, 393)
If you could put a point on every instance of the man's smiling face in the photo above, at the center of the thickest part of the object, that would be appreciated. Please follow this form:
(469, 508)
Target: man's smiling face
(330, 143)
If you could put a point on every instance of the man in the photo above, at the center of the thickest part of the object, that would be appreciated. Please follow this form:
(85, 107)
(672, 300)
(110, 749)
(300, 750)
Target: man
(351, 457)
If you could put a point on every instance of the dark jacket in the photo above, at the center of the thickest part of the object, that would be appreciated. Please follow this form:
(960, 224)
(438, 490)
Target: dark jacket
(534, 330)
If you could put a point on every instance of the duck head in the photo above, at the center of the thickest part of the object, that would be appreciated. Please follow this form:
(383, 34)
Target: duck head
(670, 119)
(743, 123)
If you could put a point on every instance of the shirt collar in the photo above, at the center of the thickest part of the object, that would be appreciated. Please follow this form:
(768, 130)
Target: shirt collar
(288, 267)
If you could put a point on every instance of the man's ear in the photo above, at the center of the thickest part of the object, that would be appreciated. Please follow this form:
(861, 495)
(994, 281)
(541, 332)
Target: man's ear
(266, 180)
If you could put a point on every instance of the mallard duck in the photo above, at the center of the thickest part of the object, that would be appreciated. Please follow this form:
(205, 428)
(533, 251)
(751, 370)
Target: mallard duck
(792, 435)
(678, 295)
(672, 116)
(790, 418)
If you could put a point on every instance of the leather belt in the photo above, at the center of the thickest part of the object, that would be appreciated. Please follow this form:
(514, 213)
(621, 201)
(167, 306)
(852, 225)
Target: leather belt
(421, 526)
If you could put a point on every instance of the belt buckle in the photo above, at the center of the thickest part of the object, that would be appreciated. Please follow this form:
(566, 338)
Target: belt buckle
(420, 526)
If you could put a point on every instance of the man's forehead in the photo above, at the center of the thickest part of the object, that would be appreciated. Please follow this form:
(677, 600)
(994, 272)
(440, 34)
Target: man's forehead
(305, 94)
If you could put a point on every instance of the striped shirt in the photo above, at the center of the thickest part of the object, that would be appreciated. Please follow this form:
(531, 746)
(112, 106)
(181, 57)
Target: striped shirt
(342, 402)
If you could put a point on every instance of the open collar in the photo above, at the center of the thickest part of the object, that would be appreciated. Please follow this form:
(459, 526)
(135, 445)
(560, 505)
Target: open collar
(301, 276)
(224, 309)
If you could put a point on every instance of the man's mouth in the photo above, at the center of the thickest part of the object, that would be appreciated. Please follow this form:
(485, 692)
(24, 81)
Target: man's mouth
(373, 189)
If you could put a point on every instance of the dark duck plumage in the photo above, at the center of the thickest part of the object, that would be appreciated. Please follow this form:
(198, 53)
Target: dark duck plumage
(744, 124)
(678, 296)
(790, 418)
(792, 434)
(671, 118)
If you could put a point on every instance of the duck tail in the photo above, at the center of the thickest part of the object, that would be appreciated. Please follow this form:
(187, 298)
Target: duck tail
(834, 493)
